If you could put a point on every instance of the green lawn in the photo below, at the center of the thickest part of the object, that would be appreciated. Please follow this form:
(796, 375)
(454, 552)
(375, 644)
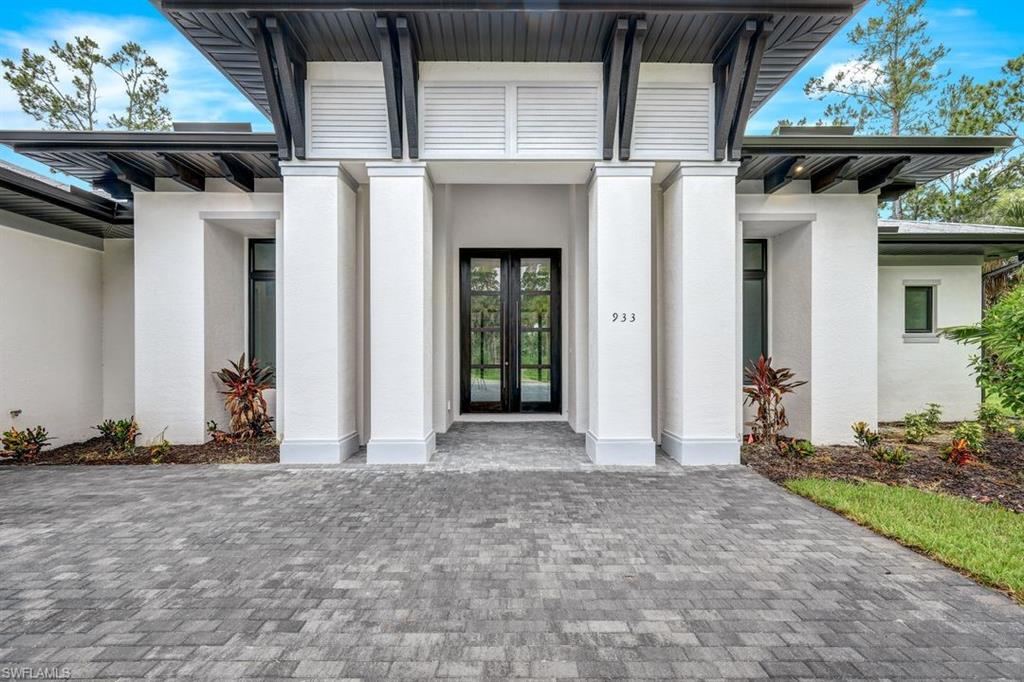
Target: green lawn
(985, 541)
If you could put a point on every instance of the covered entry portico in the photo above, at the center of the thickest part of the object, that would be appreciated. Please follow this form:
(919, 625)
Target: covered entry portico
(395, 247)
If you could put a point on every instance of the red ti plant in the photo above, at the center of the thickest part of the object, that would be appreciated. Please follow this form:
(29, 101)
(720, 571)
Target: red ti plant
(244, 383)
(767, 387)
(958, 453)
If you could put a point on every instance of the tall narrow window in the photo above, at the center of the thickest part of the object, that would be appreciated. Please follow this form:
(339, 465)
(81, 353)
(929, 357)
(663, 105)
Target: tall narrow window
(755, 301)
(918, 309)
(262, 302)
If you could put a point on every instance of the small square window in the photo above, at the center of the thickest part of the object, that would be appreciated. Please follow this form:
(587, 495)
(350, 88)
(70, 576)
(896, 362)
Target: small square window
(919, 309)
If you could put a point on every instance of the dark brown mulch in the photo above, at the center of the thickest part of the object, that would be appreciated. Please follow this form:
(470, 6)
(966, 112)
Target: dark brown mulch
(997, 477)
(95, 451)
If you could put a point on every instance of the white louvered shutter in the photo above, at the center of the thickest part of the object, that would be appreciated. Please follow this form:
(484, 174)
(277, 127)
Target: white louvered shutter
(561, 121)
(463, 121)
(348, 120)
(672, 122)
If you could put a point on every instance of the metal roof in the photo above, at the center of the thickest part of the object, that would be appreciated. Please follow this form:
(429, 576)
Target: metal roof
(679, 31)
(118, 160)
(36, 196)
(912, 237)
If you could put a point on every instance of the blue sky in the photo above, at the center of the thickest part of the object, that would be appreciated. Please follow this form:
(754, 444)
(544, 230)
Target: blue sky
(981, 37)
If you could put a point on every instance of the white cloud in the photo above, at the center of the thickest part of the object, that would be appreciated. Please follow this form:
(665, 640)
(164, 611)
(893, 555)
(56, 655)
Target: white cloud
(854, 71)
(197, 91)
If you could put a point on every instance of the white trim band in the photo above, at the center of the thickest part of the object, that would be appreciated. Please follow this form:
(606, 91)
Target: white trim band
(314, 451)
(620, 451)
(318, 169)
(400, 450)
(701, 451)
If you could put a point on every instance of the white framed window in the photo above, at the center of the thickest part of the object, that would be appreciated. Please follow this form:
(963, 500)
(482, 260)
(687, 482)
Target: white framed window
(920, 310)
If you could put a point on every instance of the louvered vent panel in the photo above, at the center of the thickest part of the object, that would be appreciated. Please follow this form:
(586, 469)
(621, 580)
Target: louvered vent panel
(461, 121)
(558, 121)
(672, 122)
(348, 121)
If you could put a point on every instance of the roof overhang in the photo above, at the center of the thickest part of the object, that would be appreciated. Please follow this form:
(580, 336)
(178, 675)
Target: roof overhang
(25, 194)
(916, 238)
(890, 165)
(119, 162)
(263, 46)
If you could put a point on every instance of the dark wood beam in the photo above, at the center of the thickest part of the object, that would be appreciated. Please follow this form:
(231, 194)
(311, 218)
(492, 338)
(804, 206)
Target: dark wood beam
(392, 82)
(881, 176)
(184, 175)
(291, 96)
(753, 68)
(894, 190)
(410, 71)
(831, 175)
(728, 71)
(613, 54)
(236, 172)
(129, 173)
(119, 189)
(630, 79)
(786, 172)
(277, 116)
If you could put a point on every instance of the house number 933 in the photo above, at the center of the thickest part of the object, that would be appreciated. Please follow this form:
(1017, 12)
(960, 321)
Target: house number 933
(624, 317)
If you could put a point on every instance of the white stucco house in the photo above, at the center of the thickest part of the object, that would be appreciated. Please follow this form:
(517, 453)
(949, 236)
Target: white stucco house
(497, 211)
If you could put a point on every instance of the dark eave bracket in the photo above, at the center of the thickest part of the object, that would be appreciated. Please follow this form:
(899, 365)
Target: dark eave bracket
(894, 190)
(831, 175)
(882, 176)
(131, 174)
(783, 174)
(613, 55)
(182, 174)
(236, 172)
(390, 60)
(759, 44)
(277, 117)
(728, 74)
(291, 77)
(630, 80)
(410, 72)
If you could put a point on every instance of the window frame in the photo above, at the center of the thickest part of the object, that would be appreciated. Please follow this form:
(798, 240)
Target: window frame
(253, 277)
(761, 274)
(931, 289)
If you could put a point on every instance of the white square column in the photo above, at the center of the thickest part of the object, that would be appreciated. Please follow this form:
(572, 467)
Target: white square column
(620, 309)
(401, 313)
(702, 333)
(317, 381)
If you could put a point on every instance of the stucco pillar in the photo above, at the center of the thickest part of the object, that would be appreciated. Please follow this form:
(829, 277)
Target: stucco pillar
(319, 332)
(401, 319)
(619, 315)
(701, 260)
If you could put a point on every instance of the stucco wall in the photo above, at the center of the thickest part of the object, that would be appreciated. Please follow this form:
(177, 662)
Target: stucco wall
(789, 318)
(51, 334)
(118, 328)
(911, 375)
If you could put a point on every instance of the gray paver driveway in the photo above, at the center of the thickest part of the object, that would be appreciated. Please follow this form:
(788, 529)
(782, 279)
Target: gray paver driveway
(360, 572)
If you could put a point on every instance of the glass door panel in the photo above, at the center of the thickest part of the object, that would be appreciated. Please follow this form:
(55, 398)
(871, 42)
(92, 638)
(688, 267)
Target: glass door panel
(510, 330)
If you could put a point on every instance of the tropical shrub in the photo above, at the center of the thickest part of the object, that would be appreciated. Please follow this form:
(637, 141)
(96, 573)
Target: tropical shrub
(120, 434)
(159, 447)
(244, 383)
(896, 456)
(915, 427)
(864, 436)
(957, 453)
(999, 367)
(800, 449)
(991, 418)
(972, 434)
(932, 414)
(24, 444)
(767, 387)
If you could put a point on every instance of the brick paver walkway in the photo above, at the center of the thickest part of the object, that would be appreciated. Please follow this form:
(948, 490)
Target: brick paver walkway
(227, 572)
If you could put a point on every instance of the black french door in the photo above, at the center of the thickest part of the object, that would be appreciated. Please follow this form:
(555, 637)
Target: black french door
(510, 338)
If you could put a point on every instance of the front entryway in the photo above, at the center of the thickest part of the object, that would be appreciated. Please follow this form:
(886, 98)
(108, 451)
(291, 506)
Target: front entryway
(510, 331)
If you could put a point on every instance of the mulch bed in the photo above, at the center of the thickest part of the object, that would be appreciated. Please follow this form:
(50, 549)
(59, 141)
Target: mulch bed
(95, 451)
(997, 477)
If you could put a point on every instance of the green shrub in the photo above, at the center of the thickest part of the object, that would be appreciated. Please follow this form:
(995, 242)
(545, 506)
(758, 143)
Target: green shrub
(972, 434)
(991, 418)
(896, 456)
(915, 427)
(24, 444)
(932, 414)
(864, 436)
(120, 434)
(800, 449)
